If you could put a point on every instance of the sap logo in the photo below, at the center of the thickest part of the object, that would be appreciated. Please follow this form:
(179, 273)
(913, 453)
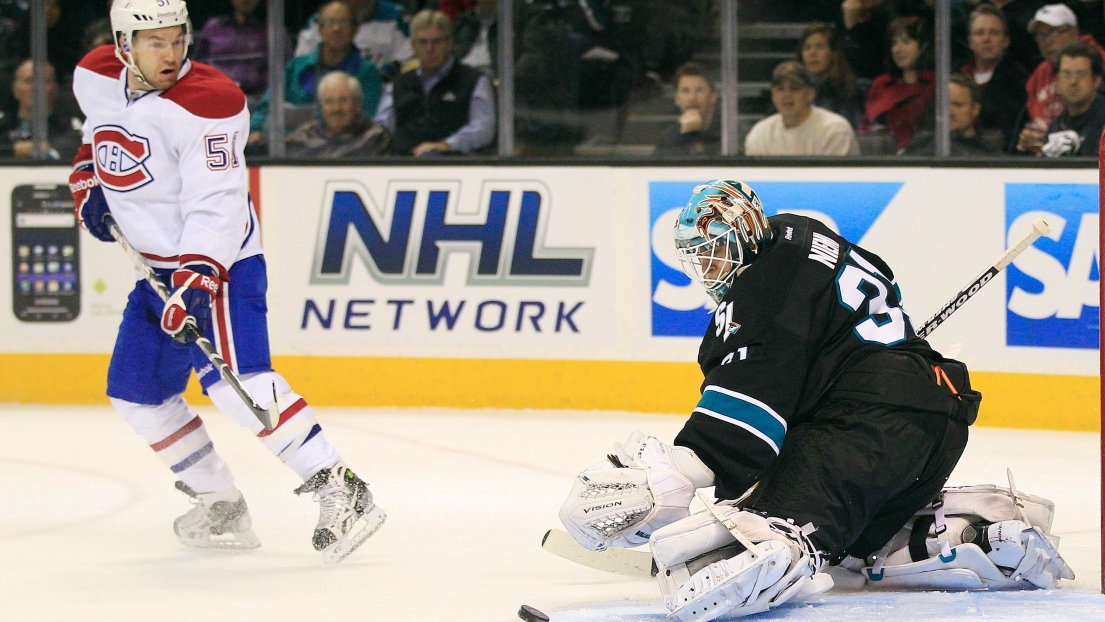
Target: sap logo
(120, 158)
(408, 239)
(1052, 287)
(681, 307)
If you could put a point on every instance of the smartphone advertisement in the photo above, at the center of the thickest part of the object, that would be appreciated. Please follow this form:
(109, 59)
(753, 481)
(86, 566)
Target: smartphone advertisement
(45, 254)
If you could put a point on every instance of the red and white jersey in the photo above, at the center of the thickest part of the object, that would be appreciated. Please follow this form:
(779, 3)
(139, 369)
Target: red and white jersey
(171, 163)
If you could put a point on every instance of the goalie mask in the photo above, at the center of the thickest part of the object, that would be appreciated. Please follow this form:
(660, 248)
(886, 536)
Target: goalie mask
(719, 232)
(130, 16)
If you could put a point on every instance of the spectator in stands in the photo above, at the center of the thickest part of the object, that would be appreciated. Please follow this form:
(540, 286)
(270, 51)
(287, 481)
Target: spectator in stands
(453, 8)
(443, 106)
(586, 54)
(698, 131)
(864, 24)
(819, 50)
(964, 107)
(897, 99)
(64, 28)
(381, 34)
(97, 33)
(343, 129)
(996, 72)
(237, 44)
(1091, 17)
(1018, 14)
(336, 52)
(63, 134)
(477, 37)
(1054, 27)
(799, 128)
(1077, 130)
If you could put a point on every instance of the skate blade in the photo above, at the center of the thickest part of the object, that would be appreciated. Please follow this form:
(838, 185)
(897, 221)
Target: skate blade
(242, 541)
(368, 524)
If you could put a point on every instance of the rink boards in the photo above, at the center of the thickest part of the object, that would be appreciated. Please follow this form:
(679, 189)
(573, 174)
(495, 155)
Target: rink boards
(557, 287)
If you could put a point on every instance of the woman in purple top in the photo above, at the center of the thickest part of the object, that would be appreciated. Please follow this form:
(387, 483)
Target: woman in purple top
(237, 45)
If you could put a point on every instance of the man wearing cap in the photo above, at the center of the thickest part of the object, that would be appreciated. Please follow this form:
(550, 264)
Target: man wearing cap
(1054, 27)
(799, 128)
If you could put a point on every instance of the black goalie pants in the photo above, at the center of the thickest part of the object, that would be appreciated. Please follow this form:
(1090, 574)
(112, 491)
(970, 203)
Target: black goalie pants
(878, 450)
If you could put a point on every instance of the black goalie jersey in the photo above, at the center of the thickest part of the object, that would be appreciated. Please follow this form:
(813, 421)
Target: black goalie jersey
(802, 313)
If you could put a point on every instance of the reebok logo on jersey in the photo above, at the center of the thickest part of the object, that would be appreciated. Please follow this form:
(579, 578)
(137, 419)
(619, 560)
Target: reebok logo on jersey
(120, 158)
(824, 250)
(84, 184)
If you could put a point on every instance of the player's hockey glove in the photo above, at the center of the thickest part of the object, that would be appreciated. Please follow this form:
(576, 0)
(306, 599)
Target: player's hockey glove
(189, 303)
(89, 203)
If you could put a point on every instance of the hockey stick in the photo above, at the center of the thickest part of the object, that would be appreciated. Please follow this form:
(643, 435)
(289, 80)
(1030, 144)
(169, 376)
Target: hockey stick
(625, 562)
(1039, 227)
(635, 563)
(265, 416)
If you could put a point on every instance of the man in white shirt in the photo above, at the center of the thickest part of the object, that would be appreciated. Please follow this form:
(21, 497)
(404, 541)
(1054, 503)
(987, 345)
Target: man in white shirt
(799, 128)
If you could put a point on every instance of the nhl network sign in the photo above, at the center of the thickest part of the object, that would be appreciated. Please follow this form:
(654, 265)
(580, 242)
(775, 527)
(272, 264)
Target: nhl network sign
(410, 237)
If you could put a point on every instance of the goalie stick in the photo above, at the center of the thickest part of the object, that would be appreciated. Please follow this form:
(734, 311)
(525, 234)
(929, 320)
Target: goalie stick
(1039, 227)
(635, 563)
(267, 417)
(627, 562)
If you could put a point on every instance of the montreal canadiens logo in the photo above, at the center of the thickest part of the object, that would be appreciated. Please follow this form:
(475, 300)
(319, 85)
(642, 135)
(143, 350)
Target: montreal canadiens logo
(120, 158)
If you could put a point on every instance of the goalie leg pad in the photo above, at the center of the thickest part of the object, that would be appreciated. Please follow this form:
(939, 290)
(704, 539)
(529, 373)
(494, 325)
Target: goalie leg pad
(1019, 557)
(644, 485)
(704, 572)
(741, 585)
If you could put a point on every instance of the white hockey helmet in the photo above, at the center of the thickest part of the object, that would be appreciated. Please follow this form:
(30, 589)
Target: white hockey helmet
(128, 16)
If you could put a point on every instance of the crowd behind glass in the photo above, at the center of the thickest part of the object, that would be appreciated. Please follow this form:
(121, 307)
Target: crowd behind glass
(614, 78)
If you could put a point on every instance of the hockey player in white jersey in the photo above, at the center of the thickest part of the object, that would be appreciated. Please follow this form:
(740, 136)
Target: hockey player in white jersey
(163, 156)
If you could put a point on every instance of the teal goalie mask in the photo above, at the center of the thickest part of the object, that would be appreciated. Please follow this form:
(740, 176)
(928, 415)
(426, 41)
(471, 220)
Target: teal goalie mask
(720, 231)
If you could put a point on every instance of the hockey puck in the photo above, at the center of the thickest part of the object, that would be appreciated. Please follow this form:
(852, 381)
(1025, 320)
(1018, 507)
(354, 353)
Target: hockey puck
(529, 614)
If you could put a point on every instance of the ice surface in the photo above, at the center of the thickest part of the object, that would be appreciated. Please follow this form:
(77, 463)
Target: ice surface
(86, 513)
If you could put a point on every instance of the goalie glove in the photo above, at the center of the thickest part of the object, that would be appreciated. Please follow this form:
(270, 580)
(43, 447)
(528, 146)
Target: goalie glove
(644, 485)
(89, 204)
(189, 303)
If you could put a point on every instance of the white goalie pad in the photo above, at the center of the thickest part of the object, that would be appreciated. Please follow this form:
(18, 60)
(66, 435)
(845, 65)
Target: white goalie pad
(1037, 564)
(995, 504)
(728, 562)
(642, 486)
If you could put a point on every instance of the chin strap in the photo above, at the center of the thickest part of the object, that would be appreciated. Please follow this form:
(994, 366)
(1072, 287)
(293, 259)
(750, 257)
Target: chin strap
(122, 53)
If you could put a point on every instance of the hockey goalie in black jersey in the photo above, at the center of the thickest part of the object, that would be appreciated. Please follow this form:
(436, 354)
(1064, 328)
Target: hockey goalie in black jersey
(827, 427)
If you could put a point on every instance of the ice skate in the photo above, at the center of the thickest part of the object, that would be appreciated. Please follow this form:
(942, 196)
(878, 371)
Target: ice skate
(347, 515)
(219, 520)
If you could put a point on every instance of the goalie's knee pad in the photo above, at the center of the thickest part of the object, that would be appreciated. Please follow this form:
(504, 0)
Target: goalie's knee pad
(642, 486)
(985, 544)
(729, 561)
(1006, 555)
